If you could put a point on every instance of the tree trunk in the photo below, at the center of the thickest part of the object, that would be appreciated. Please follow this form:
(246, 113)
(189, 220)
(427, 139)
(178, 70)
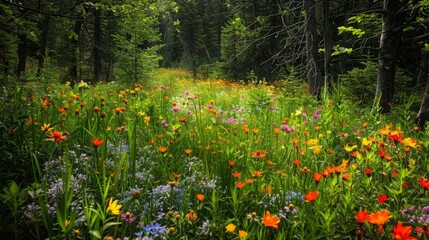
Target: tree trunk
(422, 76)
(43, 45)
(313, 74)
(97, 41)
(327, 39)
(22, 55)
(75, 52)
(387, 57)
(423, 115)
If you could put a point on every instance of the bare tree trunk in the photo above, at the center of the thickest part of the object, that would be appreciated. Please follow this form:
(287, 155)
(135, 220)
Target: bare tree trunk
(75, 52)
(43, 45)
(313, 74)
(327, 39)
(97, 41)
(387, 57)
(22, 55)
(423, 115)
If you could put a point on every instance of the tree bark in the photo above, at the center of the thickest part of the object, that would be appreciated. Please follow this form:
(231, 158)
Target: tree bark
(22, 55)
(313, 74)
(43, 45)
(327, 39)
(75, 52)
(97, 41)
(387, 57)
(423, 115)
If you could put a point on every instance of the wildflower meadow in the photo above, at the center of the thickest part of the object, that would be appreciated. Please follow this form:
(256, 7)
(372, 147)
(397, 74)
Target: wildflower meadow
(171, 157)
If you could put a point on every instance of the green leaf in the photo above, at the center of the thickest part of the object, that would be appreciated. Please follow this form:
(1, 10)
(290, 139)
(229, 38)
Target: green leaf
(107, 225)
(96, 233)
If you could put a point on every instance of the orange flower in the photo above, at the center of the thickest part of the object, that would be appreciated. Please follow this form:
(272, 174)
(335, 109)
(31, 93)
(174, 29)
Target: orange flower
(271, 221)
(200, 197)
(250, 180)
(240, 185)
(242, 234)
(231, 163)
(188, 151)
(236, 174)
(402, 233)
(56, 136)
(230, 227)
(311, 196)
(379, 218)
(162, 149)
(97, 142)
(191, 216)
(259, 154)
(267, 189)
(257, 173)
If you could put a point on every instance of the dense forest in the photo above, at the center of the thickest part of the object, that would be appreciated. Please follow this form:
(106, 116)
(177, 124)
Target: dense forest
(376, 52)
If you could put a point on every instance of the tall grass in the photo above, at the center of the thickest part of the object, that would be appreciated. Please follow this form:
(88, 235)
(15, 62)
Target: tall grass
(205, 159)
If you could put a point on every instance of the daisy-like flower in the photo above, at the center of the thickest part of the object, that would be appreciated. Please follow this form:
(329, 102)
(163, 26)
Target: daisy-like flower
(128, 217)
(46, 127)
(113, 207)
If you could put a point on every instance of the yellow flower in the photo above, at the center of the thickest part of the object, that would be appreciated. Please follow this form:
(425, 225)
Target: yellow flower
(230, 227)
(82, 84)
(146, 120)
(113, 207)
(316, 149)
(350, 148)
(46, 127)
(141, 114)
(409, 142)
(366, 142)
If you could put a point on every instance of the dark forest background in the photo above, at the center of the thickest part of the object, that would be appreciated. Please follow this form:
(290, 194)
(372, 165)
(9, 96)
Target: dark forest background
(375, 53)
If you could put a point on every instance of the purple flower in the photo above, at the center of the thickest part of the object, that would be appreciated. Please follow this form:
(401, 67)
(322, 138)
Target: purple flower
(163, 87)
(128, 217)
(176, 108)
(304, 115)
(230, 120)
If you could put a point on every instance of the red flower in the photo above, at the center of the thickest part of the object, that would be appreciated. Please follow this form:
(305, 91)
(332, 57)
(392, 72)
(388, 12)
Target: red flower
(317, 177)
(382, 198)
(381, 153)
(97, 142)
(402, 233)
(424, 183)
(368, 171)
(311, 196)
(296, 162)
(361, 216)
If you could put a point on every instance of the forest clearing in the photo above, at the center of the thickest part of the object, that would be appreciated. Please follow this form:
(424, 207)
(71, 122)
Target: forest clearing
(194, 119)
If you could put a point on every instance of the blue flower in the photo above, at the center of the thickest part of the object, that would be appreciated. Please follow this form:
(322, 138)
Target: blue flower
(154, 229)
